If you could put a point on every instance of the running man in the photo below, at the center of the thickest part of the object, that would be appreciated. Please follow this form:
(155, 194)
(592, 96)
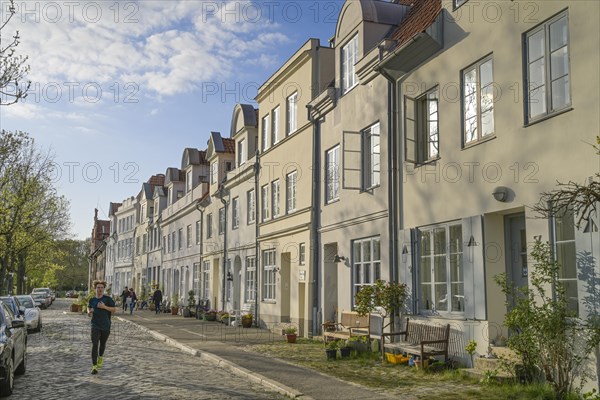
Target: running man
(100, 308)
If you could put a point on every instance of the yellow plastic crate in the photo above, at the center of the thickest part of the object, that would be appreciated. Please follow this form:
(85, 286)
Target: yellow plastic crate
(396, 358)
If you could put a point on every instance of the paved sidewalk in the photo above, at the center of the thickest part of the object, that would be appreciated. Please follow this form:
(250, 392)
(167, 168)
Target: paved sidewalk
(223, 345)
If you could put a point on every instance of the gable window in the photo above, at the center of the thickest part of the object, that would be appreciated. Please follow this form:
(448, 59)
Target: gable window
(548, 86)
(292, 113)
(235, 213)
(565, 256)
(275, 126)
(366, 262)
(250, 286)
(332, 174)
(250, 204)
(241, 152)
(213, 172)
(371, 157)
(441, 269)
(421, 127)
(290, 181)
(349, 58)
(209, 225)
(188, 181)
(265, 132)
(269, 275)
(265, 202)
(189, 235)
(478, 101)
(275, 199)
(221, 220)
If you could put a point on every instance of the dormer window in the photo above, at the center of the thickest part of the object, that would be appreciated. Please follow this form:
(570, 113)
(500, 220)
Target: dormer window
(241, 154)
(188, 181)
(213, 173)
(349, 58)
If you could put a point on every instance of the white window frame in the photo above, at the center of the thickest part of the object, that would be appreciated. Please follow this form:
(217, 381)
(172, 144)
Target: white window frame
(291, 183)
(221, 220)
(562, 240)
(188, 181)
(275, 125)
(349, 58)
(198, 231)
(235, 213)
(371, 157)
(365, 270)
(266, 125)
(241, 150)
(250, 206)
(546, 59)
(451, 248)
(477, 100)
(209, 225)
(213, 172)
(332, 174)
(302, 253)
(425, 111)
(269, 281)
(292, 113)
(250, 280)
(275, 199)
(206, 280)
(196, 279)
(189, 235)
(264, 199)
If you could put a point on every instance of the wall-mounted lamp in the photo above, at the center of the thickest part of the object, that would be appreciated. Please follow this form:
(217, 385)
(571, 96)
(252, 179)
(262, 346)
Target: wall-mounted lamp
(229, 276)
(337, 258)
(538, 238)
(472, 242)
(404, 249)
(500, 193)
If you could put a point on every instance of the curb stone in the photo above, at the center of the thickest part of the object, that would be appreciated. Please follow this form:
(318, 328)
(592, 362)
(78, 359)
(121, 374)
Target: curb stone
(225, 364)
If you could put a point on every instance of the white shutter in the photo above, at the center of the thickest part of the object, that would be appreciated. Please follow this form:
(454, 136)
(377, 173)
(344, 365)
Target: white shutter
(352, 160)
(408, 271)
(410, 130)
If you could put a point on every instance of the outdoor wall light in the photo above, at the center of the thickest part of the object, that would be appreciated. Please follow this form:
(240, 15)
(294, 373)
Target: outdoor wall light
(500, 193)
(337, 258)
(229, 276)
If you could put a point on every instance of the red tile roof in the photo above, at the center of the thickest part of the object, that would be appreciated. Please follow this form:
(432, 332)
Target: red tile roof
(157, 180)
(229, 145)
(421, 15)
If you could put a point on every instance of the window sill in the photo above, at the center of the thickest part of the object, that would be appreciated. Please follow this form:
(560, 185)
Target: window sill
(480, 141)
(426, 162)
(269, 301)
(332, 201)
(345, 92)
(451, 316)
(546, 117)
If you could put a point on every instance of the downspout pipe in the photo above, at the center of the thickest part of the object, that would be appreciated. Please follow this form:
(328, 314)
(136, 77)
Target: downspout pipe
(224, 251)
(256, 244)
(315, 221)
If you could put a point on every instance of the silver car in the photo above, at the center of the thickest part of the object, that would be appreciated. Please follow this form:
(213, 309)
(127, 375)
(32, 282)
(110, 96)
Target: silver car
(41, 299)
(33, 315)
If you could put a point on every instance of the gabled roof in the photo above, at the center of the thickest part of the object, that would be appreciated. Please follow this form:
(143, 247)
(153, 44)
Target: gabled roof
(193, 156)
(159, 191)
(221, 145)
(249, 117)
(229, 146)
(174, 175)
(421, 15)
(113, 208)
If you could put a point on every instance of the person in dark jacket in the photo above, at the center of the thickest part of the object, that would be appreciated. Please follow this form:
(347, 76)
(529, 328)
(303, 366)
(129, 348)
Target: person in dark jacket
(124, 296)
(133, 298)
(101, 308)
(157, 297)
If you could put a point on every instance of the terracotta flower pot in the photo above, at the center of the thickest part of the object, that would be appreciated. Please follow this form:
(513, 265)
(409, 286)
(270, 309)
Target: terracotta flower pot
(291, 337)
(246, 322)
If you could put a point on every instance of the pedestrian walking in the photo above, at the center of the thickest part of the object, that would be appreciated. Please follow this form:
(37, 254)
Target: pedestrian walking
(157, 297)
(100, 308)
(133, 298)
(124, 295)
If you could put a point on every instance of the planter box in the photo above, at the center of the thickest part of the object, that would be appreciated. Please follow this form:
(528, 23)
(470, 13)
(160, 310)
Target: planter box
(174, 310)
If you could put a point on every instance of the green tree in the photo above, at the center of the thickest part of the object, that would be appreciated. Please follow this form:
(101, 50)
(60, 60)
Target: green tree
(13, 67)
(545, 333)
(390, 296)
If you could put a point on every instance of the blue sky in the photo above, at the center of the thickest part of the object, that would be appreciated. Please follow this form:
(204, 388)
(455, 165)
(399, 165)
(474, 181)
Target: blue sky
(119, 89)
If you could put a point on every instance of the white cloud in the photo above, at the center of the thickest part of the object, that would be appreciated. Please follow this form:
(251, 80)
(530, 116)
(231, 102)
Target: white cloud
(166, 47)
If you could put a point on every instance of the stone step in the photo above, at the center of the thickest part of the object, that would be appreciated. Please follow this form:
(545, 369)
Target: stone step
(506, 353)
(487, 363)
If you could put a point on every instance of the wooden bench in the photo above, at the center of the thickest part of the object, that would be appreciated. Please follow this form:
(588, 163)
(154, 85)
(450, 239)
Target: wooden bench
(351, 324)
(420, 339)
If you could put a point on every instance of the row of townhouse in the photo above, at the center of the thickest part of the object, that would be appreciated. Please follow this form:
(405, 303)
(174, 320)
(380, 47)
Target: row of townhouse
(410, 149)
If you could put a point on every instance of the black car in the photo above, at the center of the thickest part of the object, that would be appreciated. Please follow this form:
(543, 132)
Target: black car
(13, 349)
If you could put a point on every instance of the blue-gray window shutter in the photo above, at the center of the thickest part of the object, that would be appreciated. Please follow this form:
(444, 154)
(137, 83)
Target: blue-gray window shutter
(474, 268)
(587, 253)
(407, 273)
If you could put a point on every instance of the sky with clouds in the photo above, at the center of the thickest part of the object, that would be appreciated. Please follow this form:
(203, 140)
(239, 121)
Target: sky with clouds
(120, 88)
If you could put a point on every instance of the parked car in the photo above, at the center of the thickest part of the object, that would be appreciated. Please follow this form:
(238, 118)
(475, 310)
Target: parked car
(41, 299)
(33, 315)
(72, 294)
(53, 295)
(13, 349)
(45, 290)
(15, 306)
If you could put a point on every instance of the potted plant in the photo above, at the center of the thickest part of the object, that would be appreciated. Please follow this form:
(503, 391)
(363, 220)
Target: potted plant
(191, 304)
(210, 315)
(247, 320)
(290, 333)
(344, 350)
(223, 317)
(358, 343)
(174, 304)
(331, 350)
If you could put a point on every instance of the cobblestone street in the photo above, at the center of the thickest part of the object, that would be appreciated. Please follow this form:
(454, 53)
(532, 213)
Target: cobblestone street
(135, 366)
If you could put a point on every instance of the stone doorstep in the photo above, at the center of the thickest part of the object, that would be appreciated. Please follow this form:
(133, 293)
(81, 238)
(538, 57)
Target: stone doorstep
(506, 353)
